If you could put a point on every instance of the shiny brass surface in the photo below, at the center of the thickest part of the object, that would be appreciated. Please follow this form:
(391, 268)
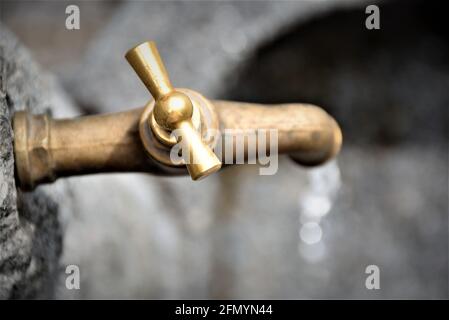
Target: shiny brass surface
(157, 142)
(165, 136)
(146, 61)
(173, 111)
(141, 140)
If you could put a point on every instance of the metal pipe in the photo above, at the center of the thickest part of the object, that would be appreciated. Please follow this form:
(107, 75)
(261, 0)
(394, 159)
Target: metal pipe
(47, 148)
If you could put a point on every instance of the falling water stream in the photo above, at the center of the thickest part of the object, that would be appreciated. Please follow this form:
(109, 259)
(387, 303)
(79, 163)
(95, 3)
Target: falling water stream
(314, 203)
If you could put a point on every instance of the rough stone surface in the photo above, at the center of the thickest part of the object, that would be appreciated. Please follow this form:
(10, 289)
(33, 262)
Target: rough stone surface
(30, 232)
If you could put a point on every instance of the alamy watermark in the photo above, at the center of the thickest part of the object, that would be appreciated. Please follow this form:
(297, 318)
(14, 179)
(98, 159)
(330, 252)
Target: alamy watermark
(372, 281)
(72, 21)
(372, 22)
(234, 146)
(72, 281)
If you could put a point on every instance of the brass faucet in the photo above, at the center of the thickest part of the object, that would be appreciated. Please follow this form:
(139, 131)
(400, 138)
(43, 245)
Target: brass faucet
(143, 139)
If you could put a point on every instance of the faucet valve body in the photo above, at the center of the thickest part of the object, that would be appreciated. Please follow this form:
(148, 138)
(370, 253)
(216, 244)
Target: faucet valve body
(172, 112)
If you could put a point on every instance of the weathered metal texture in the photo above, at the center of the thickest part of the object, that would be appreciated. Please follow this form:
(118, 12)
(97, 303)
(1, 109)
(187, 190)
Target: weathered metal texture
(306, 132)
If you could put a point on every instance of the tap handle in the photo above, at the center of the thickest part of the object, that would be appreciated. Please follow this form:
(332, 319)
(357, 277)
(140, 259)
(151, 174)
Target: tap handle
(173, 110)
(147, 63)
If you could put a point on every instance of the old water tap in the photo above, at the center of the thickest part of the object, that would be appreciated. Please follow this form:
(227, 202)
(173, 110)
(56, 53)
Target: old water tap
(144, 139)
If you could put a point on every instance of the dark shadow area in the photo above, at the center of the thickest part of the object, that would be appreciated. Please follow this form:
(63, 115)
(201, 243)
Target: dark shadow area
(384, 86)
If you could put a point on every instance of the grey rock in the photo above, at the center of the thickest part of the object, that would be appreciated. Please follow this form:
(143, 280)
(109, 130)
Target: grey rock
(30, 232)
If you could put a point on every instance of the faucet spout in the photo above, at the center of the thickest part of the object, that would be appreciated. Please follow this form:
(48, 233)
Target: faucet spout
(306, 132)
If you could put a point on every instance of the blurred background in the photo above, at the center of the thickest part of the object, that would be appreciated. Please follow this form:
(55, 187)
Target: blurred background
(302, 233)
